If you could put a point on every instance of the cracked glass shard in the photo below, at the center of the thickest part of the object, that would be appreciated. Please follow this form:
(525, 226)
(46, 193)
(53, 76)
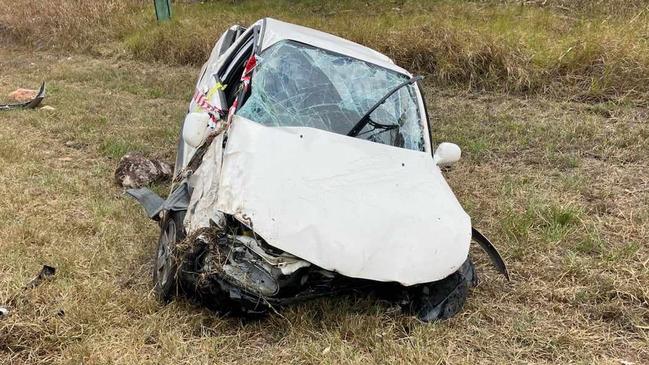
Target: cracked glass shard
(298, 85)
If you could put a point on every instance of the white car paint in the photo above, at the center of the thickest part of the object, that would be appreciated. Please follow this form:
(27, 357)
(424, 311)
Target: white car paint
(276, 31)
(273, 31)
(363, 209)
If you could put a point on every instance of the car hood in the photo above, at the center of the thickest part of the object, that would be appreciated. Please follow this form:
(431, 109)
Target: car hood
(359, 208)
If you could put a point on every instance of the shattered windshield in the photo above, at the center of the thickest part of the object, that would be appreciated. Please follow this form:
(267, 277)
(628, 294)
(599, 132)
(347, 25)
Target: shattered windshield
(298, 85)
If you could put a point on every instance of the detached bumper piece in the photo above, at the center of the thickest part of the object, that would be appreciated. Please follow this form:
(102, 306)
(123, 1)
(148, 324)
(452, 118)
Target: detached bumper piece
(491, 251)
(31, 104)
(238, 273)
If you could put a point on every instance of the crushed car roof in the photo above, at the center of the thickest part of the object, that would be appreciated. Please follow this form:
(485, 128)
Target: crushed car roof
(274, 31)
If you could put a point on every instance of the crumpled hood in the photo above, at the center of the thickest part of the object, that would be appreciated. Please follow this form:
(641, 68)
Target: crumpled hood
(362, 209)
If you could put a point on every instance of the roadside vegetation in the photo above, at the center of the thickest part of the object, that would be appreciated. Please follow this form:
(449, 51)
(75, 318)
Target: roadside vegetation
(585, 50)
(547, 99)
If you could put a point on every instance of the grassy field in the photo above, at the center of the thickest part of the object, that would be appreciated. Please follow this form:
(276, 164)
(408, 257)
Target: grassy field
(554, 172)
(585, 50)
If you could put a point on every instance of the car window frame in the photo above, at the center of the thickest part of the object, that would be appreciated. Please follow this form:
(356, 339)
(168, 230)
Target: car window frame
(419, 97)
(234, 51)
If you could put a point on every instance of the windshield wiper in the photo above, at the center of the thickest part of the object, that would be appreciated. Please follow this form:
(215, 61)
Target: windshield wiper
(366, 118)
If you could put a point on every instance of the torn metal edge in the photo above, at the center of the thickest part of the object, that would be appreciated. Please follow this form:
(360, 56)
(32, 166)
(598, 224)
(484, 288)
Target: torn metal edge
(153, 204)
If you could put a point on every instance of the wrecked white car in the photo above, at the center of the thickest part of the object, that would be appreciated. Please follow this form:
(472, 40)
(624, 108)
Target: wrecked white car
(305, 168)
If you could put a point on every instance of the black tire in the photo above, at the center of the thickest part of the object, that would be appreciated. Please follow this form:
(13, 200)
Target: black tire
(445, 298)
(165, 265)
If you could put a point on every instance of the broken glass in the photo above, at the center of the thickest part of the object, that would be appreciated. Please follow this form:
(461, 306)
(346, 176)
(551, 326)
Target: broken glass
(298, 85)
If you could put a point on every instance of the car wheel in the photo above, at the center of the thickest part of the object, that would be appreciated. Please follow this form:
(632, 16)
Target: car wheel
(445, 298)
(166, 265)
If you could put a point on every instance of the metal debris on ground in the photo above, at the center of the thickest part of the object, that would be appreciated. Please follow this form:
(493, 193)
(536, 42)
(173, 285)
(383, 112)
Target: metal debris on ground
(4, 312)
(135, 171)
(25, 98)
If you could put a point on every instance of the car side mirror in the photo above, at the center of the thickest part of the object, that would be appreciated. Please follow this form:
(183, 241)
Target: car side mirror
(195, 128)
(447, 154)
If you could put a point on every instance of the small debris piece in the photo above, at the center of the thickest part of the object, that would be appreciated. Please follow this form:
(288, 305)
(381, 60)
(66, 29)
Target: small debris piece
(75, 144)
(22, 95)
(46, 272)
(48, 107)
(135, 171)
(150, 340)
(29, 103)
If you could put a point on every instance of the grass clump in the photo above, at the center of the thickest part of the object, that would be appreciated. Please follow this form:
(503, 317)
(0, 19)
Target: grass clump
(174, 42)
(585, 50)
(590, 53)
(115, 148)
(65, 24)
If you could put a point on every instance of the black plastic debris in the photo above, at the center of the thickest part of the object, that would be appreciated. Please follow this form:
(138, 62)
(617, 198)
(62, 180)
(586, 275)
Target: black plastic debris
(46, 272)
(491, 251)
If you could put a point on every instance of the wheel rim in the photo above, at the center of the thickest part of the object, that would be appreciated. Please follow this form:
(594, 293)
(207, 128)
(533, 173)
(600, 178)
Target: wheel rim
(164, 260)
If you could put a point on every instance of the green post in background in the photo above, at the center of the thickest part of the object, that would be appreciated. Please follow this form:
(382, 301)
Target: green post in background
(162, 9)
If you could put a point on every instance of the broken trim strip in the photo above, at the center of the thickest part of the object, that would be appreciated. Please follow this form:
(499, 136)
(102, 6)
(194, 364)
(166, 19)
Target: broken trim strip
(36, 101)
(491, 251)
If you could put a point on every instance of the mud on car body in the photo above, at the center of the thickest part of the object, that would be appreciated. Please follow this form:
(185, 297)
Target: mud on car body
(305, 168)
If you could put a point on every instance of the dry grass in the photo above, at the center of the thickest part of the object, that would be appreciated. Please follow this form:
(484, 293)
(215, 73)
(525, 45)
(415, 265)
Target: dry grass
(66, 24)
(584, 50)
(561, 185)
(591, 54)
